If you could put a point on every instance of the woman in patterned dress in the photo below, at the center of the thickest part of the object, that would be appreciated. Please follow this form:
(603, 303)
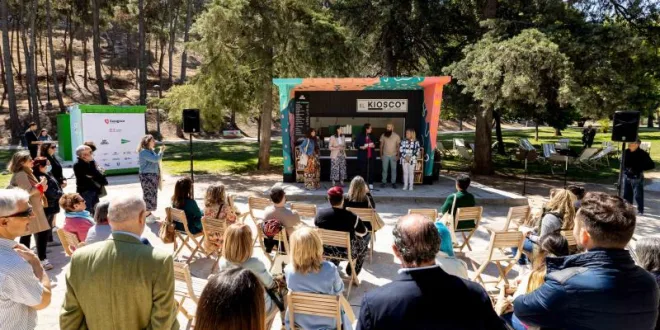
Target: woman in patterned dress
(149, 175)
(310, 147)
(338, 157)
(409, 149)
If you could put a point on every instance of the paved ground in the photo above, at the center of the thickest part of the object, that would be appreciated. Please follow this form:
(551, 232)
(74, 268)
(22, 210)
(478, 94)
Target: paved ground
(381, 270)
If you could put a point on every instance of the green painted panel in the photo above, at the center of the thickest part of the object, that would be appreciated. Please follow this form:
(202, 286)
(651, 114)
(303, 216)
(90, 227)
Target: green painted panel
(65, 148)
(122, 171)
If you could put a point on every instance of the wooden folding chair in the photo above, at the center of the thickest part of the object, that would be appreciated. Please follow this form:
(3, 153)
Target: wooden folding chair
(516, 217)
(186, 287)
(304, 210)
(323, 305)
(240, 217)
(367, 215)
(257, 204)
(69, 240)
(432, 214)
(281, 249)
(186, 237)
(496, 254)
(340, 239)
(572, 243)
(467, 220)
(213, 228)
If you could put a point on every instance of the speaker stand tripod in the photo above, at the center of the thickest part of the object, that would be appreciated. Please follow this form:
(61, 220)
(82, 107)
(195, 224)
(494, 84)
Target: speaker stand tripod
(619, 183)
(192, 174)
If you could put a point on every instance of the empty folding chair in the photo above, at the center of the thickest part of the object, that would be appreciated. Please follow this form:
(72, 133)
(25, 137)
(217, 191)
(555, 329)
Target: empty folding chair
(340, 239)
(184, 238)
(602, 157)
(499, 241)
(583, 161)
(515, 218)
(186, 288)
(458, 142)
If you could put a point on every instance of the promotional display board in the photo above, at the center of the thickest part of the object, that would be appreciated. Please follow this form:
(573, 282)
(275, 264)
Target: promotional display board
(116, 131)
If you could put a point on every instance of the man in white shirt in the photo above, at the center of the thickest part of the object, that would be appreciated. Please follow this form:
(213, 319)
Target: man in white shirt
(24, 285)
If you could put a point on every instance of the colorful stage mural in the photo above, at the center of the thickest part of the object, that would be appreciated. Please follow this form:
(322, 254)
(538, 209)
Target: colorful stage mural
(432, 87)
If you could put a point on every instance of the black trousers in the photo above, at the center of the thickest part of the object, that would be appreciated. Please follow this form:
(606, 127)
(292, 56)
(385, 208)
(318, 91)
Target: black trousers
(368, 169)
(42, 241)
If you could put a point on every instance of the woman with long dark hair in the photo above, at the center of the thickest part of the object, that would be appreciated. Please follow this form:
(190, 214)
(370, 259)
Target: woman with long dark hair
(183, 200)
(150, 173)
(232, 299)
(310, 148)
(53, 194)
(337, 157)
(48, 150)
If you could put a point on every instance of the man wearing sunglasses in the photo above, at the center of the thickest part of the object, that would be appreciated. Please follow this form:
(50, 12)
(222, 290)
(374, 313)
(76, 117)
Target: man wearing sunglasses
(24, 285)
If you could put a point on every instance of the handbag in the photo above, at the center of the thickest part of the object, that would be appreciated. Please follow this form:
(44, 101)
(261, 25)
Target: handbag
(378, 223)
(448, 218)
(166, 231)
(302, 161)
(272, 227)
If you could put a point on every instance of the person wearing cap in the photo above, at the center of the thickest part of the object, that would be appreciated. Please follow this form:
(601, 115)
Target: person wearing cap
(338, 219)
(290, 220)
(635, 162)
(31, 136)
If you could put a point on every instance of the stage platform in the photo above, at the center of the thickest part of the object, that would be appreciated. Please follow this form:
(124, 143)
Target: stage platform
(435, 193)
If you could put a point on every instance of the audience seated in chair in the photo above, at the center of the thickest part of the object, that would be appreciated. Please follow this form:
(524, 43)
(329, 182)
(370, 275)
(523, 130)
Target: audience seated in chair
(423, 296)
(101, 230)
(462, 196)
(287, 218)
(551, 245)
(77, 219)
(359, 196)
(237, 252)
(445, 258)
(648, 257)
(308, 272)
(182, 200)
(337, 218)
(601, 288)
(216, 206)
(232, 299)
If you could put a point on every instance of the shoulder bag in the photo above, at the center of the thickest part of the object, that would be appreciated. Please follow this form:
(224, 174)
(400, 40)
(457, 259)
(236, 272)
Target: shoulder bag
(378, 222)
(166, 231)
(448, 218)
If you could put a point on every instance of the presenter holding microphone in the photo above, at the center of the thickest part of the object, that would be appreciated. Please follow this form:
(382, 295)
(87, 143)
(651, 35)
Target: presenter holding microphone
(366, 154)
(150, 175)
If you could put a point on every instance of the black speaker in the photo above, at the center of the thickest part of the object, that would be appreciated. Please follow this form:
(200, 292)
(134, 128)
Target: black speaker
(626, 124)
(191, 120)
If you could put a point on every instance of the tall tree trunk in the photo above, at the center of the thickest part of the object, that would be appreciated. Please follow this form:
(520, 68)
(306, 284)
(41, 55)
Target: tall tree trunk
(184, 55)
(22, 35)
(483, 157)
(390, 61)
(142, 53)
(498, 132)
(9, 77)
(33, 50)
(170, 51)
(649, 122)
(103, 96)
(56, 86)
(557, 132)
(460, 124)
(266, 110)
(536, 131)
(72, 74)
(4, 80)
(128, 49)
(67, 32)
(85, 58)
(29, 64)
(19, 73)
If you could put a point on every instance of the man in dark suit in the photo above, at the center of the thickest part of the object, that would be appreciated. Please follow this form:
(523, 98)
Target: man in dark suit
(366, 154)
(423, 296)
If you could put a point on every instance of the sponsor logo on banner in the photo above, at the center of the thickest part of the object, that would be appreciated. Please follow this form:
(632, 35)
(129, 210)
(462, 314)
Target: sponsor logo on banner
(124, 141)
(105, 142)
(114, 121)
(382, 105)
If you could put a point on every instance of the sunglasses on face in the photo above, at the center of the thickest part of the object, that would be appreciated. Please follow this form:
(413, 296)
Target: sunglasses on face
(53, 147)
(25, 214)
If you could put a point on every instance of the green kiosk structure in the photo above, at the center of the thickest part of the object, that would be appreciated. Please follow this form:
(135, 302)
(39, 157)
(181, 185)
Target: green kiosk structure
(116, 131)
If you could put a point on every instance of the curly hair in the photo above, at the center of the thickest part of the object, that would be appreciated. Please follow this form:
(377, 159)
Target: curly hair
(69, 200)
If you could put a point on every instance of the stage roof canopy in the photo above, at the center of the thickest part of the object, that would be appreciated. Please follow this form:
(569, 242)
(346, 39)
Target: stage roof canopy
(359, 84)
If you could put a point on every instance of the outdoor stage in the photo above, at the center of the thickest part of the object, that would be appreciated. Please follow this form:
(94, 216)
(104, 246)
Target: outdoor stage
(435, 193)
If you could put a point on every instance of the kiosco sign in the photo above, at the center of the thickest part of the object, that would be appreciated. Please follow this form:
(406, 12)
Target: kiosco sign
(382, 105)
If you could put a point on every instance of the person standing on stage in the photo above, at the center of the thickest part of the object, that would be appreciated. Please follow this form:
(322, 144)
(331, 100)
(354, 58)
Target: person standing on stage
(150, 173)
(338, 157)
(32, 136)
(389, 153)
(636, 161)
(310, 147)
(409, 150)
(366, 154)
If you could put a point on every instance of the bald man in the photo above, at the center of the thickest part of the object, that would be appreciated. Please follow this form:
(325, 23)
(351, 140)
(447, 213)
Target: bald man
(423, 296)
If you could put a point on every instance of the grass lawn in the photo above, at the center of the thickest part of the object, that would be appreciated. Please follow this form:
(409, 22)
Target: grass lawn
(218, 157)
(505, 166)
(5, 157)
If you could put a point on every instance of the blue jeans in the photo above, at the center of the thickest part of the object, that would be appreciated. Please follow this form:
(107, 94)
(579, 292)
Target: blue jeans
(528, 246)
(388, 161)
(633, 189)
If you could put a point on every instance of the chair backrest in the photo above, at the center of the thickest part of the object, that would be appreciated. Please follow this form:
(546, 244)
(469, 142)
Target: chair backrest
(603, 153)
(213, 227)
(182, 274)
(568, 234)
(561, 145)
(315, 304)
(68, 240)
(432, 214)
(518, 215)
(304, 210)
(177, 215)
(566, 141)
(258, 204)
(548, 150)
(507, 239)
(587, 153)
(467, 218)
(462, 151)
(525, 144)
(646, 146)
(458, 142)
(365, 214)
(340, 239)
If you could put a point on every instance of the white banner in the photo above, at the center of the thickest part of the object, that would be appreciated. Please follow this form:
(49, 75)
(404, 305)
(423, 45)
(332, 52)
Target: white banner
(116, 136)
(382, 105)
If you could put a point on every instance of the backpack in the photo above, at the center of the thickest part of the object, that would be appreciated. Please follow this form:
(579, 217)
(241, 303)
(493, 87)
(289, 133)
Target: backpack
(272, 227)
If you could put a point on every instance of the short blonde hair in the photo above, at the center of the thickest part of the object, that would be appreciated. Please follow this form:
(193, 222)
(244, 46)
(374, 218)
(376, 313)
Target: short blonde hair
(306, 250)
(237, 246)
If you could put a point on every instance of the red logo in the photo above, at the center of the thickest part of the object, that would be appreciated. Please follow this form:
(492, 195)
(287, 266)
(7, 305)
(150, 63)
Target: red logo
(107, 121)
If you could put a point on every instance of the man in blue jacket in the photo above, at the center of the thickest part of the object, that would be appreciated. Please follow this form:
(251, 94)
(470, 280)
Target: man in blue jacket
(601, 288)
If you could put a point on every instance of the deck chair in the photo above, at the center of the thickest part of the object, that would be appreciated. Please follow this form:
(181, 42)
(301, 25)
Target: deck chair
(551, 155)
(525, 144)
(69, 240)
(186, 288)
(441, 149)
(466, 222)
(323, 305)
(515, 218)
(646, 146)
(458, 143)
(214, 229)
(304, 210)
(432, 214)
(463, 152)
(185, 237)
(583, 161)
(368, 215)
(340, 239)
(257, 204)
(563, 144)
(572, 243)
(602, 157)
(281, 249)
(496, 254)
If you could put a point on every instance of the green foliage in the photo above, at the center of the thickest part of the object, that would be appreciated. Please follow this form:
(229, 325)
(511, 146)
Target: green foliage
(604, 124)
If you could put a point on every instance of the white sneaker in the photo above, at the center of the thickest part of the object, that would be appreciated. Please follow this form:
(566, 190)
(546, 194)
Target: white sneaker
(405, 188)
(151, 218)
(410, 188)
(46, 264)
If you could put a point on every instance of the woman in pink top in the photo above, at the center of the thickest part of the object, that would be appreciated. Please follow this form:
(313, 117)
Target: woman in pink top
(77, 219)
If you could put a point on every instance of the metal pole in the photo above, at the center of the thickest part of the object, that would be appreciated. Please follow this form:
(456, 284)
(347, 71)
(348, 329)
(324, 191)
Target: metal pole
(158, 113)
(565, 171)
(192, 174)
(620, 182)
(525, 176)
